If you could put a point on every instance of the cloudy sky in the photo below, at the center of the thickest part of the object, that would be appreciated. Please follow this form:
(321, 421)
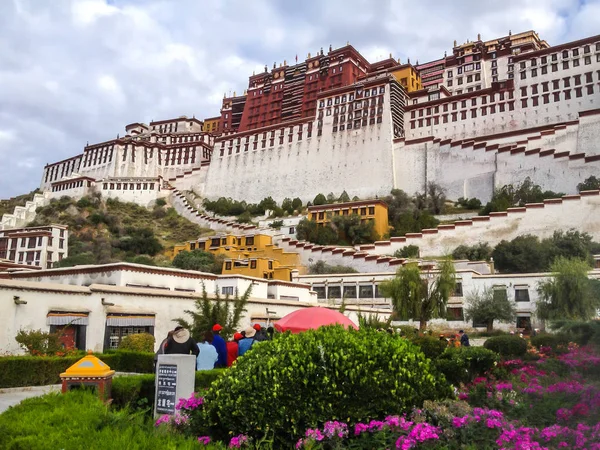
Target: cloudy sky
(73, 71)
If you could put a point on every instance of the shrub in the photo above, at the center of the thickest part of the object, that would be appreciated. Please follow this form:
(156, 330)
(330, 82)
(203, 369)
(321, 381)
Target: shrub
(431, 346)
(408, 251)
(140, 342)
(137, 391)
(464, 364)
(130, 361)
(160, 202)
(549, 340)
(38, 342)
(297, 381)
(17, 371)
(80, 420)
(507, 346)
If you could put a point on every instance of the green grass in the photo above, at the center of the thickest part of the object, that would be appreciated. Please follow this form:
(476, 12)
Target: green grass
(79, 420)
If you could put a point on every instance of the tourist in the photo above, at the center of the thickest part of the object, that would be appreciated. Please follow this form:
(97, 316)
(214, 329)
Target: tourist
(161, 347)
(246, 343)
(219, 344)
(207, 356)
(181, 343)
(233, 348)
(260, 335)
(453, 342)
(270, 332)
(464, 339)
(443, 339)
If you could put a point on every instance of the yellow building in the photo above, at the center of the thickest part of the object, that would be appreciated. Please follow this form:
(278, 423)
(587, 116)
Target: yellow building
(408, 77)
(257, 267)
(375, 210)
(247, 247)
(211, 125)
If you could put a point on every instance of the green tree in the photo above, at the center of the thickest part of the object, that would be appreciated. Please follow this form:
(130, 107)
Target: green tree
(419, 296)
(568, 294)
(309, 230)
(372, 321)
(197, 260)
(408, 251)
(82, 259)
(509, 196)
(344, 198)
(351, 229)
(296, 204)
(590, 184)
(478, 252)
(492, 304)
(140, 241)
(331, 198)
(521, 255)
(225, 311)
(320, 199)
(570, 244)
(287, 205)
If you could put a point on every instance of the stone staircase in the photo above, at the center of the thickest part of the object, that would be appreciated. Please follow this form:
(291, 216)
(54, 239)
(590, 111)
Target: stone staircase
(184, 207)
(22, 215)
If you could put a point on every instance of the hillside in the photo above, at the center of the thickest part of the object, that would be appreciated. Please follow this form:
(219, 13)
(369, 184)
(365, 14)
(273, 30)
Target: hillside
(8, 206)
(103, 231)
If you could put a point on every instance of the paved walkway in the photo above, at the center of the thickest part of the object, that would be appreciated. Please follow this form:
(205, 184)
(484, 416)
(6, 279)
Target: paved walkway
(13, 396)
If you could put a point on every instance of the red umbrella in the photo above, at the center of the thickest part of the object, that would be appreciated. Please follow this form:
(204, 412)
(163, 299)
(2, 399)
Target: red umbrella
(311, 319)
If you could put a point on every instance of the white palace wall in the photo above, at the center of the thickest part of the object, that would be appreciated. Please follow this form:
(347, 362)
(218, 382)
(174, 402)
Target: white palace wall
(356, 160)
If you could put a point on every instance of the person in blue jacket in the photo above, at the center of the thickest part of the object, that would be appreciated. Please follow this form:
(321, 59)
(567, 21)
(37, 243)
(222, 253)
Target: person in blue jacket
(246, 343)
(220, 345)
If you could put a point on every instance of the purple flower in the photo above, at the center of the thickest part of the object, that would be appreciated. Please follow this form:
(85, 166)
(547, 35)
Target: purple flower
(204, 440)
(459, 422)
(238, 441)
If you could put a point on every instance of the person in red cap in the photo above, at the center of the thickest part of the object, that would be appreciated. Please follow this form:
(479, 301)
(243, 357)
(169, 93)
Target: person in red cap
(219, 344)
(260, 333)
(233, 348)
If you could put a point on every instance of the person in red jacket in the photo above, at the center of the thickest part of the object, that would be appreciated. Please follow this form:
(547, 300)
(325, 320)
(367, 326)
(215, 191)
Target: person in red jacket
(232, 349)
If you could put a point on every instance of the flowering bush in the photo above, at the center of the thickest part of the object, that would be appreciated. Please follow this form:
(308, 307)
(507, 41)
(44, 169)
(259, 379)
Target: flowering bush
(184, 410)
(299, 381)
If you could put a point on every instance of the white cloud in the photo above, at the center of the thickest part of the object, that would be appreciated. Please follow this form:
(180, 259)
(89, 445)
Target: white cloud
(78, 70)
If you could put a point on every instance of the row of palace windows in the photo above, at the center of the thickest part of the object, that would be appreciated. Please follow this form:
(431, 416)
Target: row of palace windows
(472, 113)
(589, 89)
(128, 186)
(589, 78)
(502, 96)
(72, 185)
(554, 67)
(357, 124)
(167, 128)
(98, 155)
(344, 212)
(352, 106)
(188, 138)
(350, 97)
(574, 53)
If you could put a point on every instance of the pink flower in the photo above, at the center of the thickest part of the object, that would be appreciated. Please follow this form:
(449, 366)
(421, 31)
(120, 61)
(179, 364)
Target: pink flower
(238, 441)
(204, 440)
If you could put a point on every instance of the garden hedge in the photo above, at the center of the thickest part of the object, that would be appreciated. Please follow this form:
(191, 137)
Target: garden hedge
(137, 391)
(507, 346)
(17, 371)
(549, 340)
(464, 364)
(431, 346)
(299, 381)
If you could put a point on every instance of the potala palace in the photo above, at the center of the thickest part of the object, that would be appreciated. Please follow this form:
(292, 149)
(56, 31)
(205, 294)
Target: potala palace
(492, 113)
(488, 114)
